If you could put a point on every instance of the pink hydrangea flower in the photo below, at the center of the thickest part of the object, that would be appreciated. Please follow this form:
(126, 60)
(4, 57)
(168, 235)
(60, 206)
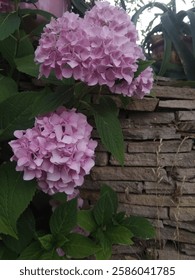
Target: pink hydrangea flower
(139, 87)
(5, 6)
(99, 49)
(57, 151)
(115, 18)
(63, 47)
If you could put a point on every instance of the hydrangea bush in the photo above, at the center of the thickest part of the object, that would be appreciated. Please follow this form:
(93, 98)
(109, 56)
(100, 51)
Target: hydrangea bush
(51, 99)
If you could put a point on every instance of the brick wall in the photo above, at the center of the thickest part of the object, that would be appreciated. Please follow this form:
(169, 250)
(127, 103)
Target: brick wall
(158, 178)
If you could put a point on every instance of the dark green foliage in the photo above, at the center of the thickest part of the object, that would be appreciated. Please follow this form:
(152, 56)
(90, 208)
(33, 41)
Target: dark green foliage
(176, 34)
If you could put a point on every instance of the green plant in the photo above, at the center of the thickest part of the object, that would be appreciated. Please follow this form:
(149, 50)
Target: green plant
(36, 223)
(172, 42)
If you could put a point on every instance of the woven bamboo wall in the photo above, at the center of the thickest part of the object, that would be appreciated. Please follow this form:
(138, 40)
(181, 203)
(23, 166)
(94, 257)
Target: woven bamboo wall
(158, 179)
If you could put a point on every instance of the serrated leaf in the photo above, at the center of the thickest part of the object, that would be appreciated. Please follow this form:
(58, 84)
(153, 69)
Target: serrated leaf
(64, 218)
(140, 227)
(26, 230)
(119, 235)
(8, 24)
(8, 87)
(106, 206)
(105, 252)
(118, 218)
(86, 220)
(111, 196)
(80, 246)
(102, 211)
(109, 128)
(15, 195)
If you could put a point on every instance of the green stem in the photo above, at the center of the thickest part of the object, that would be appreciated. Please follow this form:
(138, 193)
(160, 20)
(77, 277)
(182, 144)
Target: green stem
(99, 95)
(16, 5)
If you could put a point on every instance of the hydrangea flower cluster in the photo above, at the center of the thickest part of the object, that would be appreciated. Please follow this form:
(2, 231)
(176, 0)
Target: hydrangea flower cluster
(99, 49)
(5, 6)
(57, 151)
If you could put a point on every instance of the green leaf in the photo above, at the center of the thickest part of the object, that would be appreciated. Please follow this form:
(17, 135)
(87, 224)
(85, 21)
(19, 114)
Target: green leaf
(118, 218)
(64, 218)
(27, 65)
(50, 255)
(81, 6)
(2, 250)
(140, 227)
(108, 127)
(46, 241)
(15, 195)
(125, 100)
(6, 254)
(166, 55)
(172, 28)
(191, 16)
(8, 87)
(86, 220)
(8, 24)
(80, 246)
(8, 49)
(18, 111)
(60, 240)
(15, 114)
(161, 6)
(26, 230)
(61, 197)
(33, 252)
(105, 252)
(25, 46)
(106, 206)
(48, 101)
(35, 12)
(119, 235)
(142, 65)
(111, 196)
(36, 252)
